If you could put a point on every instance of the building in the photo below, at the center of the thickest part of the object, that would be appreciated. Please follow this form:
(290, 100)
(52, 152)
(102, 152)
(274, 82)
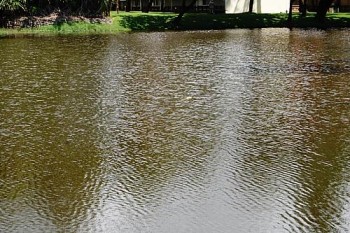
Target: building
(174, 5)
(259, 6)
(235, 6)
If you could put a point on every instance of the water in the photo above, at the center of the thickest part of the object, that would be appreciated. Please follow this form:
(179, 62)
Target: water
(220, 131)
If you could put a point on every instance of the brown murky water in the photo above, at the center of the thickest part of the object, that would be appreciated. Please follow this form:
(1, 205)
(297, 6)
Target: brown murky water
(222, 131)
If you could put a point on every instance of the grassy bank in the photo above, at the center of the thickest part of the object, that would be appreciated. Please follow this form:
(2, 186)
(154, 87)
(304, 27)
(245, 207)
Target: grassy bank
(245, 20)
(136, 21)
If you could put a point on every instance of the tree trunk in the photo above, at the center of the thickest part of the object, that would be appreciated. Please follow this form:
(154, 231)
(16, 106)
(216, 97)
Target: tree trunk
(117, 4)
(128, 6)
(149, 6)
(162, 5)
(184, 9)
(144, 6)
(251, 4)
(322, 9)
(109, 8)
(302, 8)
(290, 14)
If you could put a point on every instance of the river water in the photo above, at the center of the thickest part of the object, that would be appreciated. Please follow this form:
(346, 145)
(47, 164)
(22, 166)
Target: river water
(218, 131)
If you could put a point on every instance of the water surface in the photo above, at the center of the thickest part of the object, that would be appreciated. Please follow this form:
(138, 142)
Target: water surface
(219, 131)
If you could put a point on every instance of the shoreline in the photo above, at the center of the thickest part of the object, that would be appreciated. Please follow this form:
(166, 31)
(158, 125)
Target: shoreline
(158, 21)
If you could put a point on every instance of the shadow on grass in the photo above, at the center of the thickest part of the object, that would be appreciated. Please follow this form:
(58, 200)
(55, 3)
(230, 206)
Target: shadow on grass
(205, 21)
(146, 22)
(331, 21)
(336, 20)
(202, 21)
(251, 20)
(226, 21)
(59, 23)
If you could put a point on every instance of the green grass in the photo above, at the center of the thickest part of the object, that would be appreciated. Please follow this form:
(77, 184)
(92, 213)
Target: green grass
(223, 21)
(69, 28)
(335, 20)
(246, 20)
(137, 21)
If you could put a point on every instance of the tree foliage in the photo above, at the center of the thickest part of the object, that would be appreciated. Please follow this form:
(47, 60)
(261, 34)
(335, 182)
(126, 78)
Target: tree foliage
(44, 7)
(12, 5)
(322, 9)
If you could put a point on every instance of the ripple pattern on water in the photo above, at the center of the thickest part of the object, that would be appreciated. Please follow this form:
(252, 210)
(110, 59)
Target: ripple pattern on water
(220, 131)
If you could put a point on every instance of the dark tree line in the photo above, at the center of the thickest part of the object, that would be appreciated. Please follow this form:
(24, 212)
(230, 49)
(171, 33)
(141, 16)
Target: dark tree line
(10, 8)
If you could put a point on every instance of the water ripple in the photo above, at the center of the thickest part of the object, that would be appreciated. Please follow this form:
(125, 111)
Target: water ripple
(219, 131)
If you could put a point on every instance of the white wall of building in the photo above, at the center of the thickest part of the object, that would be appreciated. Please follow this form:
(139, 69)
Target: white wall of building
(260, 6)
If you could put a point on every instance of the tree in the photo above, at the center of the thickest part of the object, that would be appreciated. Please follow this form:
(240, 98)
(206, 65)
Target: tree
(302, 7)
(128, 6)
(184, 9)
(147, 6)
(322, 9)
(12, 5)
(10, 8)
(290, 14)
(251, 4)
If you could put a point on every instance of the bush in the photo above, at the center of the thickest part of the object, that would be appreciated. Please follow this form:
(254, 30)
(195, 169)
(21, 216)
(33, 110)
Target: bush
(11, 8)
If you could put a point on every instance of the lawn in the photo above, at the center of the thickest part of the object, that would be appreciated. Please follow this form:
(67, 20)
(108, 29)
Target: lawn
(155, 21)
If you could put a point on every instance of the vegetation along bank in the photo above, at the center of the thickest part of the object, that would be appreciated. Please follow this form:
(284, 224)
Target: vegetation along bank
(38, 17)
(137, 21)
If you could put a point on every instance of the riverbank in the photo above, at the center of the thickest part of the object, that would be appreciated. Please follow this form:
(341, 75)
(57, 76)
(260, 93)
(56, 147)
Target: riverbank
(136, 21)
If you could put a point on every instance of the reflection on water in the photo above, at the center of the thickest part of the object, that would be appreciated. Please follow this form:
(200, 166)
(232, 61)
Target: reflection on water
(222, 131)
